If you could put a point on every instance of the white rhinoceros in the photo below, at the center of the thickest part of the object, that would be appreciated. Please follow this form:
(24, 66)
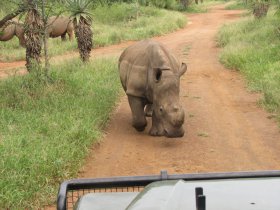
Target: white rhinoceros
(150, 75)
(60, 26)
(13, 28)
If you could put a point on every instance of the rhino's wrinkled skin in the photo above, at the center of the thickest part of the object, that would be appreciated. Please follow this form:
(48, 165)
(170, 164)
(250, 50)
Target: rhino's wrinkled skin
(60, 26)
(150, 76)
(13, 28)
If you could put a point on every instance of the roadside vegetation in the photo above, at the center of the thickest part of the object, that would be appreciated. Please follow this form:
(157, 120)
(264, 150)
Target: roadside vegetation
(238, 4)
(252, 47)
(202, 7)
(47, 130)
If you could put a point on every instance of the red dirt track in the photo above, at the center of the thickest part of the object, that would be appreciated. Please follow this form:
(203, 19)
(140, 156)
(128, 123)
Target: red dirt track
(225, 128)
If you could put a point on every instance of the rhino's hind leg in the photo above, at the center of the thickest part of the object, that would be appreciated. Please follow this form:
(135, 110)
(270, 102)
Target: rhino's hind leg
(63, 37)
(70, 33)
(137, 105)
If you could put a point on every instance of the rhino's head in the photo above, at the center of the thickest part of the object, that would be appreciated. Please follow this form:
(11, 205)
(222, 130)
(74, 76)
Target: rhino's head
(168, 114)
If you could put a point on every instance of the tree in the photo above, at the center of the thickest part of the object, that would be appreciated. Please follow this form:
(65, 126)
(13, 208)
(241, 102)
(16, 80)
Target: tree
(32, 31)
(33, 35)
(35, 31)
(82, 25)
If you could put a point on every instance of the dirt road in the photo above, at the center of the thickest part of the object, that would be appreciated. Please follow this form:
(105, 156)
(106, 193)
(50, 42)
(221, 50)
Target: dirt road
(225, 128)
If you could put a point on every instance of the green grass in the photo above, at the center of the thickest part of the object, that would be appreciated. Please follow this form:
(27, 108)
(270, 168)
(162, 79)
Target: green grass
(235, 5)
(46, 131)
(203, 134)
(202, 7)
(112, 24)
(150, 22)
(252, 47)
(11, 51)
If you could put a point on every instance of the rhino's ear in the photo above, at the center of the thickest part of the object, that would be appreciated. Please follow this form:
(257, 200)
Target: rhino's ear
(183, 69)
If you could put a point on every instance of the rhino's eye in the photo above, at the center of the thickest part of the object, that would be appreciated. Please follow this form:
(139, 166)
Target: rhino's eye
(158, 75)
(161, 109)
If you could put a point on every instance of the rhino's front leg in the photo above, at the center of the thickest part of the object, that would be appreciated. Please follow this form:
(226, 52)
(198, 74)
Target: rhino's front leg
(137, 105)
(157, 128)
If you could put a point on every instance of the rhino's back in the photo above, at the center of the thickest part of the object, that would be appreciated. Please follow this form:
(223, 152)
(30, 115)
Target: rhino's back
(57, 25)
(138, 60)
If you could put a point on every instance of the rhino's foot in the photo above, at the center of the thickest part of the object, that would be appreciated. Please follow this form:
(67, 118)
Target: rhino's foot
(140, 129)
(156, 132)
(140, 126)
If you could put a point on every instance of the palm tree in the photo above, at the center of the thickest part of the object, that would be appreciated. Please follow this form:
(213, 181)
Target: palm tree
(33, 33)
(82, 25)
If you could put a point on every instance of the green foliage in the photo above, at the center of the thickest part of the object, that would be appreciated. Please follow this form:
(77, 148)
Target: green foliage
(47, 129)
(9, 5)
(252, 46)
(239, 4)
(198, 8)
(166, 4)
(115, 13)
(151, 22)
(11, 51)
(78, 9)
(271, 86)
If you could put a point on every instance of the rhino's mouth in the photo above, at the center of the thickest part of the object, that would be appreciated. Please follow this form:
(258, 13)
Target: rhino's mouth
(174, 132)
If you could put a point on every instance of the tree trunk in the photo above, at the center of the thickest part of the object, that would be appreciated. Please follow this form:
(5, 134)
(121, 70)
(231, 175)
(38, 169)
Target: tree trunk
(83, 34)
(33, 32)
